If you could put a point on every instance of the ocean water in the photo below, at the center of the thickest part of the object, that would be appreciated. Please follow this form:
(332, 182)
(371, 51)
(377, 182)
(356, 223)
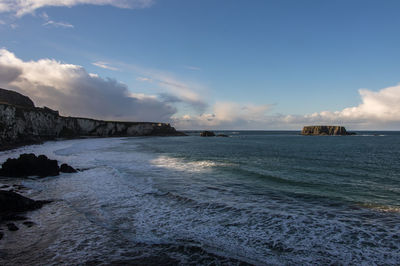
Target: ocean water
(262, 198)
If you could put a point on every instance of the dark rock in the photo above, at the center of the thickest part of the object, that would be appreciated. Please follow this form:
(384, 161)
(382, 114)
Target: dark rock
(65, 168)
(29, 223)
(325, 130)
(15, 98)
(222, 135)
(12, 202)
(1, 235)
(207, 134)
(12, 227)
(29, 165)
(13, 217)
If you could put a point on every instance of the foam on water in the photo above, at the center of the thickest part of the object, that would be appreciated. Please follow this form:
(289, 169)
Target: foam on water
(131, 203)
(186, 166)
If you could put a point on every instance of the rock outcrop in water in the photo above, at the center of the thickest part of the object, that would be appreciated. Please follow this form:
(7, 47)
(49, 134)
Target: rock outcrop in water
(21, 123)
(28, 164)
(207, 134)
(325, 130)
(12, 205)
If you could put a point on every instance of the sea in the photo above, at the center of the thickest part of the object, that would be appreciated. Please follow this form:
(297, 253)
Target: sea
(253, 198)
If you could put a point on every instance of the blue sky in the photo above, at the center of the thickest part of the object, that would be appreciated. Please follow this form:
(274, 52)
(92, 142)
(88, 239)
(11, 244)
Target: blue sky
(212, 64)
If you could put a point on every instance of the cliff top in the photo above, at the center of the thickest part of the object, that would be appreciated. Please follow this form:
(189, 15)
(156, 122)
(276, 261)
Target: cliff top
(15, 98)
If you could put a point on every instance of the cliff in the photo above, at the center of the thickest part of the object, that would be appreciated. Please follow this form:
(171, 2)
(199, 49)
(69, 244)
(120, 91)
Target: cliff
(25, 124)
(325, 130)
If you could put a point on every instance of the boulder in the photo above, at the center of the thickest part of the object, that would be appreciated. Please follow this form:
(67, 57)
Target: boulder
(30, 165)
(12, 227)
(13, 202)
(65, 168)
(207, 134)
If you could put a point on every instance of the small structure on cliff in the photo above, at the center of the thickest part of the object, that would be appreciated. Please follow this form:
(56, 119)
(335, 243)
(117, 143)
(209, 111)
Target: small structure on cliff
(325, 131)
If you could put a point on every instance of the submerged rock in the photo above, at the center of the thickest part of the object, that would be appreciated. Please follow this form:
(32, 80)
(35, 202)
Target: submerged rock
(30, 165)
(207, 134)
(325, 130)
(65, 168)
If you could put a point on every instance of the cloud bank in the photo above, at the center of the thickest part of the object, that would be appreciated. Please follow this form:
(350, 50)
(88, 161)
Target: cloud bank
(377, 110)
(23, 7)
(73, 91)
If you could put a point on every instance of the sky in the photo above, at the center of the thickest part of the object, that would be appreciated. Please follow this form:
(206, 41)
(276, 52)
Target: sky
(208, 64)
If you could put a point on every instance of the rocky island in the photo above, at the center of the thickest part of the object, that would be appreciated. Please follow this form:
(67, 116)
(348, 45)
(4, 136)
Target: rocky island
(22, 123)
(325, 130)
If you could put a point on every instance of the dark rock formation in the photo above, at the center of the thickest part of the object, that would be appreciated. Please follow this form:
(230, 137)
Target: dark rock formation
(15, 98)
(30, 165)
(65, 168)
(222, 135)
(11, 202)
(22, 123)
(12, 227)
(207, 134)
(325, 130)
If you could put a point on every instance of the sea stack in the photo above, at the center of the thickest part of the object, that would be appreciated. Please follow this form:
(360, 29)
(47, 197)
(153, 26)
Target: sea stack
(325, 131)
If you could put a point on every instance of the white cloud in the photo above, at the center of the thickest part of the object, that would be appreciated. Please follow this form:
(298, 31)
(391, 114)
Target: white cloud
(143, 79)
(52, 23)
(376, 108)
(23, 7)
(72, 90)
(104, 65)
(172, 88)
(58, 24)
(227, 115)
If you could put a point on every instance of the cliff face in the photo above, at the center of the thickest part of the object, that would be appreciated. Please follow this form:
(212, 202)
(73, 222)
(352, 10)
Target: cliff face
(324, 130)
(25, 125)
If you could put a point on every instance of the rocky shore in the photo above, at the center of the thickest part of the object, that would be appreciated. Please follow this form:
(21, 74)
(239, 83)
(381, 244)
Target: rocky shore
(13, 205)
(22, 123)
